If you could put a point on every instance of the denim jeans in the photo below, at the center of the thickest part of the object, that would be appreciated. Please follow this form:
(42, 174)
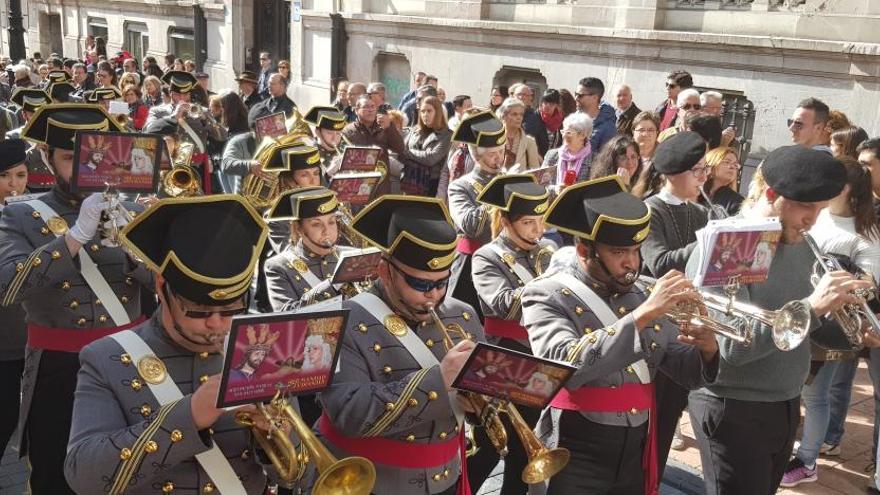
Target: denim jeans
(841, 391)
(822, 404)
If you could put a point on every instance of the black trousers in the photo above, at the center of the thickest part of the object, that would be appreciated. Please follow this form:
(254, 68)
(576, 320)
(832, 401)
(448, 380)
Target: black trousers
(48, 423)
(464, 287)
(744, 446)
(605, 460)
(10, 398)
(672, 399)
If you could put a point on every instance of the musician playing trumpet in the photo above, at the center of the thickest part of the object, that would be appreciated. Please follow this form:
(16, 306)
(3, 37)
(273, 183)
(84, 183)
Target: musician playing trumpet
(590, 312)
(391, 400)
(745, 422)
(154, 387)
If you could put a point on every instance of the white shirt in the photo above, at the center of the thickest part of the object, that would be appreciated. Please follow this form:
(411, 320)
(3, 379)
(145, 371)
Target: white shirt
(834, 234)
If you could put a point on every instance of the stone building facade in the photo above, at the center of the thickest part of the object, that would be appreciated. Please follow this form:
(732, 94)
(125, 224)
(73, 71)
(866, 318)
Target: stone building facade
(767, 53)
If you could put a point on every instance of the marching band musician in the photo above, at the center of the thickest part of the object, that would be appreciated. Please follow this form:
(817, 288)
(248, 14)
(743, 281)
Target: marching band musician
(390, 401)
(195, 124)
(745, 422)
(28, 100)
(500, 269)
(155, 387)
(73, 289)
(299, 275)
(327, 123)
(485, 137)
(301, 166)
(590, 313)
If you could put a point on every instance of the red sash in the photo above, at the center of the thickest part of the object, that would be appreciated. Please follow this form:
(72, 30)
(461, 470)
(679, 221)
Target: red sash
(466, 245)
(620, 399)
(509, 329)
(401, 454)
(40, 180)
(70, 339)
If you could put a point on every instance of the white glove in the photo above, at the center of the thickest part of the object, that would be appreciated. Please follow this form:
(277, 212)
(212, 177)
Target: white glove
(86, 225)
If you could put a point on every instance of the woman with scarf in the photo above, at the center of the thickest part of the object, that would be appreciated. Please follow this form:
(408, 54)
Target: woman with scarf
(574, 158)
(552, 116)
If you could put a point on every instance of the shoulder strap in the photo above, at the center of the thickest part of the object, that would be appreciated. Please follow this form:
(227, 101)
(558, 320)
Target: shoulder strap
(600, 308)
(508, 258)
(89, 271)
(212, 461)
(297, 263)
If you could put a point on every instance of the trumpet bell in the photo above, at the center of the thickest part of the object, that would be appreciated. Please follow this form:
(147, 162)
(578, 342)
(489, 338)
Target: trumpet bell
(545, 464)
(791, 325)
(348, 476)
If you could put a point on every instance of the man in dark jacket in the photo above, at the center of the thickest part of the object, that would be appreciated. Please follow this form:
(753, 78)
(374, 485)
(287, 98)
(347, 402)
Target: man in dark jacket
(277, 101)
(532, 123)
(626, 110)
(247, 88)
(589, 101)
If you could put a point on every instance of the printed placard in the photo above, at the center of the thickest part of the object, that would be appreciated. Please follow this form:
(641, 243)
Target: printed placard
(355, 189)
(292, 353)
(273, 125)
(128, 162)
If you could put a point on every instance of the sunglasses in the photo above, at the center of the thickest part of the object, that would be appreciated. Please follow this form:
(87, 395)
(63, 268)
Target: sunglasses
(671, 85)
(689, 106)
(581, 95)
(795, 124)
(420, 284)
(201, 315)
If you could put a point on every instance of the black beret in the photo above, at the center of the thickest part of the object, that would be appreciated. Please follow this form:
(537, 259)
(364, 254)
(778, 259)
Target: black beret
(56, 124)
(205, 247)
(179, 81)
(302, 203)
(326, 117)
(601, 210)
(679, 153)
(13, 152)
(415, 230)
(480, 129)
(516, 194)
(803, 174)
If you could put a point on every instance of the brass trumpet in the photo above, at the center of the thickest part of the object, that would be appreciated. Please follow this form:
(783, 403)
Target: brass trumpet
(543, 463)
(348, 476)
(852, 318)
(182, 180)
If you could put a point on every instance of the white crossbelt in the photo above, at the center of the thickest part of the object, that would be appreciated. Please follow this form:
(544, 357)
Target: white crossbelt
(411, 342)
(90, 272)
(212, 461)
(606, 316)
(520, 271)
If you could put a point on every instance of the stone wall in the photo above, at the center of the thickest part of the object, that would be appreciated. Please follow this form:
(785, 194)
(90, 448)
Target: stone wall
(774, 73)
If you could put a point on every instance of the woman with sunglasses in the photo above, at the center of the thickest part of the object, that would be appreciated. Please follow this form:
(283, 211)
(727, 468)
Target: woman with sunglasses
(284, 70)
(720, 186)
(297, 276)
(675, 219)
(167, 370)
(516, 255)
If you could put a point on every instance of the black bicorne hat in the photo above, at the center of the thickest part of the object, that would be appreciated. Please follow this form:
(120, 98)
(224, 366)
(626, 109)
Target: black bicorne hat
(480, 129)
(302, 203)
(13, 152)
(415, 230)
(57, 76)
(279, 160)
(803, 174)
(205, 247)
(179, 81)
(60, 91)
(516, 194)
(679, 153)
(109, 93)
(56, 124)
(30, 99)
(326, 117)
(601, 210)
(302, 157)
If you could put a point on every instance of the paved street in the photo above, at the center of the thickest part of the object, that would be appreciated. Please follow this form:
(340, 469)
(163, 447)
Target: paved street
(837, 475)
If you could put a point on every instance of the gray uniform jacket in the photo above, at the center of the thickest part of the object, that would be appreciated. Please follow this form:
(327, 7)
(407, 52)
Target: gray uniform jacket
(498, 286)
(380, 390)
(115, 452)
(204, 128)
(471, 219)
(37, 272)
(562, 327)
(14, 330)
(285, 284)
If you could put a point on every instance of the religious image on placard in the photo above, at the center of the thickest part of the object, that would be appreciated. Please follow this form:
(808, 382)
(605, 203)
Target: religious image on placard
(284, 352)
(128, 162)
(272, 125)
(510, 375)
(360, 159)
(355, 189)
